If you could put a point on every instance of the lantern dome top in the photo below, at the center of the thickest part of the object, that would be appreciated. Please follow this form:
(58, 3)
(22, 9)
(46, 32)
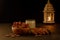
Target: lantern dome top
(48, 7)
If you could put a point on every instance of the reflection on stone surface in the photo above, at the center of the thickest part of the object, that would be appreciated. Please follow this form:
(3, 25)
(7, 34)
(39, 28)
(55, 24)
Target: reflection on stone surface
(5, 29)
(52, 28)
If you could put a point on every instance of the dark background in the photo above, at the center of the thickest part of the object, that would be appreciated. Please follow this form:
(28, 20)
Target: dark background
(20, 10)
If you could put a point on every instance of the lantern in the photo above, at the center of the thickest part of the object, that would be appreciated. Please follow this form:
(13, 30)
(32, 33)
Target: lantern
(48, 13)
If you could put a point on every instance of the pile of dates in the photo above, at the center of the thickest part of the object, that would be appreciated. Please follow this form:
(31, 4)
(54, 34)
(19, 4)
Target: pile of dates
(19, 28)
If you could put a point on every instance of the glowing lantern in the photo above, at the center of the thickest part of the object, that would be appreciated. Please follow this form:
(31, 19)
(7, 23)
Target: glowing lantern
(48, 13)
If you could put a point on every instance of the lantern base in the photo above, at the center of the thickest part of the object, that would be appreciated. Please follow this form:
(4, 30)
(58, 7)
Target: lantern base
(48, 22)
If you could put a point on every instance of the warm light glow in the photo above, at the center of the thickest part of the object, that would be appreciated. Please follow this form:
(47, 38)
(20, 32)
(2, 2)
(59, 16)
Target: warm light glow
(52, 28)
(49, 18)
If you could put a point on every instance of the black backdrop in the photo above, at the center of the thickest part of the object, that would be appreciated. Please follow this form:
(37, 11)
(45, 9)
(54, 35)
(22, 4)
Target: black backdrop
(20, 10)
